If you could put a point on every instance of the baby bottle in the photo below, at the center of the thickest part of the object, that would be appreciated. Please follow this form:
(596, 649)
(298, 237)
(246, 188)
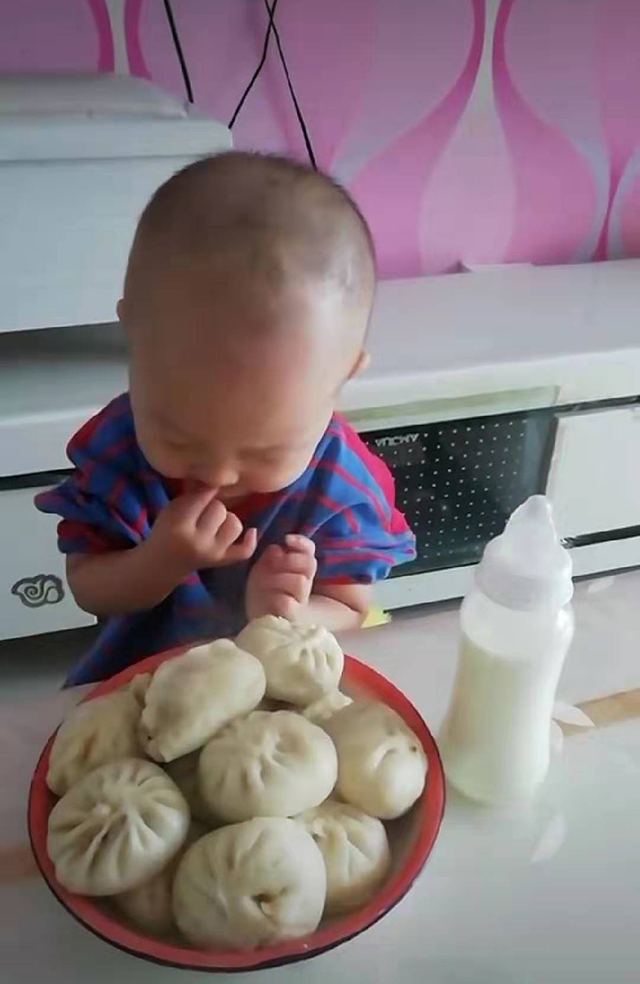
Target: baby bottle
(517, 626)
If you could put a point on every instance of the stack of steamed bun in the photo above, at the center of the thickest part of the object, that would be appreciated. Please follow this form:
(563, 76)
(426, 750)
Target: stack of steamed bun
(235, 796)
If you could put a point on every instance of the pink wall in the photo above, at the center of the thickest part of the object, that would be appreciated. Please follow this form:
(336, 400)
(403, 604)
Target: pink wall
(469, 130)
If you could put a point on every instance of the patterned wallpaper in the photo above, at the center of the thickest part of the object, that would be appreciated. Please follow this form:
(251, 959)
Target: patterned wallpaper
(477, 131)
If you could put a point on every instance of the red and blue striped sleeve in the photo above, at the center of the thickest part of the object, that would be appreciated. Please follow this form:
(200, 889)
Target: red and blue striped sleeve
(103, 505)
(359, 533)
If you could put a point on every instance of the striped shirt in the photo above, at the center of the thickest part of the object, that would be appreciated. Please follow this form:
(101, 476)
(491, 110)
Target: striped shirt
(343, 501)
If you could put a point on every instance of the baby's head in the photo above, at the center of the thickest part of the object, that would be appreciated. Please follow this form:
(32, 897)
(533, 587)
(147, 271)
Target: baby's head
(246, 302)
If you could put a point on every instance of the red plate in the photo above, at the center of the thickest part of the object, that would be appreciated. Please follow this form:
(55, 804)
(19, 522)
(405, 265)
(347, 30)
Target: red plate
(412, 839)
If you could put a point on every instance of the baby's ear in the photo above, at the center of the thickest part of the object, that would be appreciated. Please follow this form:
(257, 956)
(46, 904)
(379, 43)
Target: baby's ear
(122, 310)
(361, 363)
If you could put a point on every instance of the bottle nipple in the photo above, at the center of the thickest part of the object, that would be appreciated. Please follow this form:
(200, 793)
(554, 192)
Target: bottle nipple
(527, 566)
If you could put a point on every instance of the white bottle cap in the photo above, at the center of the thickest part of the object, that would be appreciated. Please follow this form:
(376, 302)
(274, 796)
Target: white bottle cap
(527, 567)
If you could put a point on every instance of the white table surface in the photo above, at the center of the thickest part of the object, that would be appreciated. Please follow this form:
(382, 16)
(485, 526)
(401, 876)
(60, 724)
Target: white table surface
(549, 893)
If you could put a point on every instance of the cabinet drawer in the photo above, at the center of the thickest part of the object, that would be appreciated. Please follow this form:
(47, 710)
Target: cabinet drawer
(34, 596)
(594, 480)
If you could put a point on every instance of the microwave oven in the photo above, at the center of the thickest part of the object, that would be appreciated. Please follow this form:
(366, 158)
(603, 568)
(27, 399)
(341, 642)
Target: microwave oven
(485, 388)
(459, 479)
(496, 385)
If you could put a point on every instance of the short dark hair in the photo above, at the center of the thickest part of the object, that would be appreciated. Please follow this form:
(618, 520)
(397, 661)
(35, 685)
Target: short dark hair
(254, 208)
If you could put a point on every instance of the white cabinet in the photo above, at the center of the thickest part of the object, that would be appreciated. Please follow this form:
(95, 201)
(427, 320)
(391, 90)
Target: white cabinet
(34, 596)
(594, 480)
(80, 157)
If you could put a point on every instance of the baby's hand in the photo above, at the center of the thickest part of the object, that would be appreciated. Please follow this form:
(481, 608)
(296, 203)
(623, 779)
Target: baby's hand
(281, 581)
(195, 531)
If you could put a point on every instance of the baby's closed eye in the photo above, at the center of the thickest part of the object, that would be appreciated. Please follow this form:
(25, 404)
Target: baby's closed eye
(268, 456)
(175, 444)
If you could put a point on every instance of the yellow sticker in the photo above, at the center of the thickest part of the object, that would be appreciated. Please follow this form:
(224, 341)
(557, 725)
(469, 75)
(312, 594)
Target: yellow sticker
(376, 616)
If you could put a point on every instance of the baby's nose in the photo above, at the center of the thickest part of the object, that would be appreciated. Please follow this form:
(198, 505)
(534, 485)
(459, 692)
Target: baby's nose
(216, 476)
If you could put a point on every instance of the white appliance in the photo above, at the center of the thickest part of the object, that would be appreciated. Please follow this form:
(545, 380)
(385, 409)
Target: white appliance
(79, 158)
(491, 386)
(484, 387)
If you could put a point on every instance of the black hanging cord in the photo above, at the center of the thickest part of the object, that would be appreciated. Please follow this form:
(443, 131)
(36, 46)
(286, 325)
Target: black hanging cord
(271, 10)
(263, 58)
(303, 126)
(176, 41)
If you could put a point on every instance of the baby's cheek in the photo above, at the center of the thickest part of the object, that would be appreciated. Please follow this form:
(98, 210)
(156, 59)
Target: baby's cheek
(265, 482)
(273, 479)
(168, 465)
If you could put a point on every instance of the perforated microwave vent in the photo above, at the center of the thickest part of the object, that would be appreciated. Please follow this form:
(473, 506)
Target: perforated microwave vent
(457, 482)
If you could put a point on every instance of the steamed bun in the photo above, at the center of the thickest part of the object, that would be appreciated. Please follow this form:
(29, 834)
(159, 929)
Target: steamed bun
(301, 662)
(355, 851)
(116, 828)
(184, 772)
(101, 730)
(381, 764)
(150, 906)
(249, 885)
(321, 710)
(194, 695)
(267, 764)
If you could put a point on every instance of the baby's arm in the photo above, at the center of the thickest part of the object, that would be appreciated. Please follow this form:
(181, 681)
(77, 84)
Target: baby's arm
(194, 531)
(120, 582)
(282, 583)
(338, 607)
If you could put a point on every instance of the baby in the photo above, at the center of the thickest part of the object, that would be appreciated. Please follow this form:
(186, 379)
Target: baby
(223, 486)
